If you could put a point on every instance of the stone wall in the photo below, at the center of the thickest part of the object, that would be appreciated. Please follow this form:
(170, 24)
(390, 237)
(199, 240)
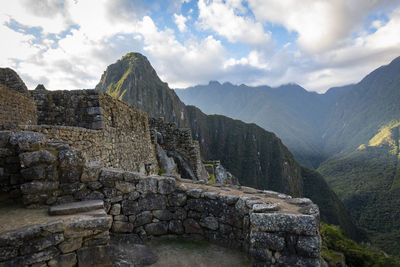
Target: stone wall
(10, 79)
(80, 108)
(177, 140)
(273, 228)
(62, 242)
(104, 129)
(15, 107)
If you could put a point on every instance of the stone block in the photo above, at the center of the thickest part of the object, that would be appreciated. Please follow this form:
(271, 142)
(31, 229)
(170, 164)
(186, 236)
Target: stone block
(176, 227)
(195, 192)
(157, 228)
(72, 188)
(31, 259)
(267, 240)
(147, 185)
(143, 218)
(196, 205)
(210, 195)
(70, 175)
(115, 209)
(122, 227)
(95, 195)
(95, 185)
(91, 171)
(121, 218)
(163, 215)
(71, 158)
(94, 256)
(29, 159)
(133, 195)
(132, 177)
(309, 246)
(241, 206)
(192, 227)
(130, 207)
(76, 207)
(209, 223)
(90, 223)
(28, 141)
(70, 244)
(53, 227)
(177, 199)
(265, 207)
(166, 185)
(291, 223)
(152, 202)
(36, 187)
(41, 244)
(35, 199)
(111, 175)
(109, 192)
(125, 187)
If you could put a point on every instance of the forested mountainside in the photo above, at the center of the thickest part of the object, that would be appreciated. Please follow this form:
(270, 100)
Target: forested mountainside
(335, 132)
(257, 157)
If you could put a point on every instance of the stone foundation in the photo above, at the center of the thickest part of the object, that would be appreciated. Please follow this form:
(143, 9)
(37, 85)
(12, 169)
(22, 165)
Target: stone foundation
(273, 228)
(74, 240)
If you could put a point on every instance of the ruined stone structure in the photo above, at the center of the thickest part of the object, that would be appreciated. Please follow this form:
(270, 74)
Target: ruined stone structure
(16, 108)
(68, 164)
(179, 144)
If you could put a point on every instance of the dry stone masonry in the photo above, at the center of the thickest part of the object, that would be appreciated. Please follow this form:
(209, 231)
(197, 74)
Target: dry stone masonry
(93, 162)
(16, 108)
(179, 145)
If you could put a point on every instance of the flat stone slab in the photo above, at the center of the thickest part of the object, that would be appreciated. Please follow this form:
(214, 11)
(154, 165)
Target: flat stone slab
(76, 207)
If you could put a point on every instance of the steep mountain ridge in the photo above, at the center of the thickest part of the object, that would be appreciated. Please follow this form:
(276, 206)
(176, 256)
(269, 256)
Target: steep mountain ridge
(350, 134)
(290, 111)
(257, 157)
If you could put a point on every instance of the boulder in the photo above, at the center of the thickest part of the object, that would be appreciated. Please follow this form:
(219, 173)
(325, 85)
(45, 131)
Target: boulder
(167, 164)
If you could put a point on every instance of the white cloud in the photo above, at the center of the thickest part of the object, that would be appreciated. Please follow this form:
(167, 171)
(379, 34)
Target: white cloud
(321, 25)
(221, 18)
(180, 21)
(348, 49)
(181, 64)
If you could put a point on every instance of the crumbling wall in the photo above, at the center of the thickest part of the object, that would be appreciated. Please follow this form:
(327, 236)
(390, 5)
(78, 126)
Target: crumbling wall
(10, 79)
(80, 241)
(15, 107)
(104, 129)
(174, 139)
(273, 228)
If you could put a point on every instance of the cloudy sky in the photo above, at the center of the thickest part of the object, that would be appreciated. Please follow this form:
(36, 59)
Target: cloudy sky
(315, 43)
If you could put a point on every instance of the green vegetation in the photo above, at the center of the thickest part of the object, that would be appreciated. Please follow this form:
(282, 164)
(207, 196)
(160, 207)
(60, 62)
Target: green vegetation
(338, 249)
(367, 180)
(257, 157)
(161, 172)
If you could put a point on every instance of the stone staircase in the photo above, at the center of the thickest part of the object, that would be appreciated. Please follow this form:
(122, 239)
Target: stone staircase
(77, 207)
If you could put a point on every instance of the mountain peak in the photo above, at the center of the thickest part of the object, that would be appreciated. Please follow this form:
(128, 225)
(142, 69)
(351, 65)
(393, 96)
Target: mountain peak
(216, 83)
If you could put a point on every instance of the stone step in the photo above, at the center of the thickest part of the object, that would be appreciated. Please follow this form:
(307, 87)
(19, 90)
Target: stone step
(76, 207)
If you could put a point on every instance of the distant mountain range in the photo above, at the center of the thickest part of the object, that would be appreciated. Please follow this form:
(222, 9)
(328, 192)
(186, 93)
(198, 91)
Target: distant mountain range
(350, 134)
(255, 156)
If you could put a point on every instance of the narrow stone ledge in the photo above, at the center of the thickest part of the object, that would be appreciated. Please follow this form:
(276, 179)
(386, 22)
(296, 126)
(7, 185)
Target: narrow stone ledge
(76, 207)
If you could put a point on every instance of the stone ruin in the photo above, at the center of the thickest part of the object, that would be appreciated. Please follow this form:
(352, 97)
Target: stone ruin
(93, 161)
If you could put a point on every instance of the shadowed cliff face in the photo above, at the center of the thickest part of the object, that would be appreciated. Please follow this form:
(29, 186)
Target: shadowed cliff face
(133, 80)
(257, 157)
